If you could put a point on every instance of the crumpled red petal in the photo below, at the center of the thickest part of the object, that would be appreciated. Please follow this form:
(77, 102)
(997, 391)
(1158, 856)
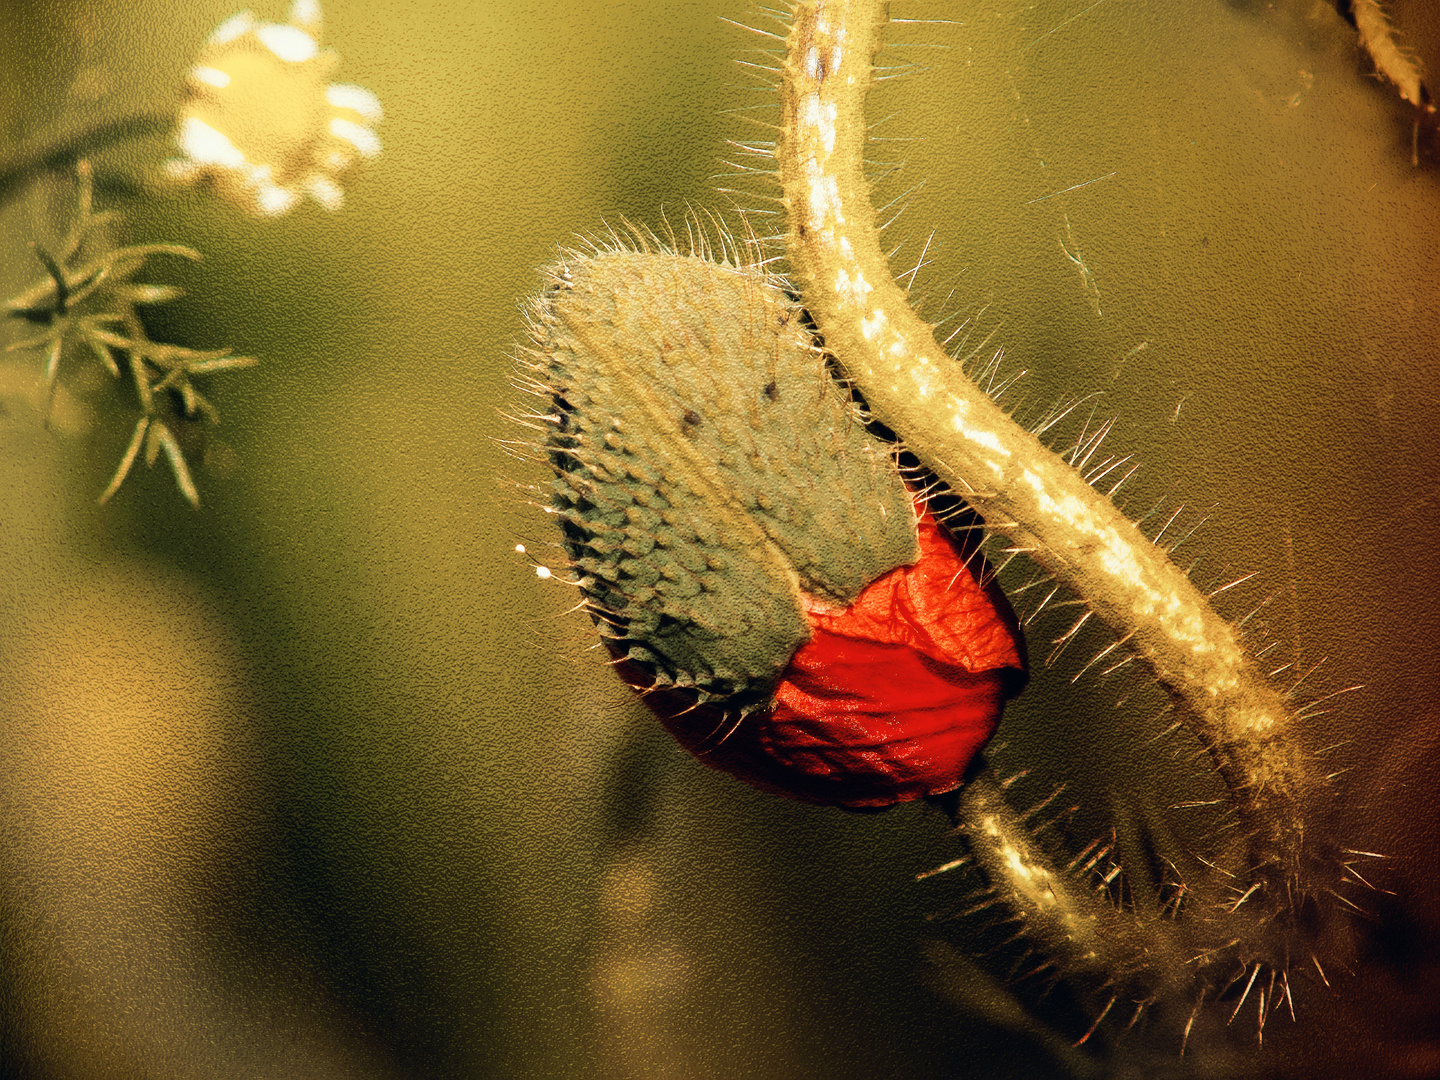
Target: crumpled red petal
(936, 607)
(890, 700)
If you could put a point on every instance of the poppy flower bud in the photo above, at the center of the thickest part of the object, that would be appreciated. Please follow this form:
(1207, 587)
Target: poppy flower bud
(749, 551)
(891, 698)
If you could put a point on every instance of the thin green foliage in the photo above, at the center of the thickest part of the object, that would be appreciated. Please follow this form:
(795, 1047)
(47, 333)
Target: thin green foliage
(87, 309)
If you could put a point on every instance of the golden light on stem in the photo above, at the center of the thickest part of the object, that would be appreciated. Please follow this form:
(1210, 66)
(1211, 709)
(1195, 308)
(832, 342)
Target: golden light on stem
(1024, 491)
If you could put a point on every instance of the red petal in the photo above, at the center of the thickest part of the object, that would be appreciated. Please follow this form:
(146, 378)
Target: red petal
(892, 697)
(936, 607)
(858, 723)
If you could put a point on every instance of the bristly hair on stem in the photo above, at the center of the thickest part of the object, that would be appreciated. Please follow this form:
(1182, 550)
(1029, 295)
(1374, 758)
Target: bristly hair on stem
(1042, 504)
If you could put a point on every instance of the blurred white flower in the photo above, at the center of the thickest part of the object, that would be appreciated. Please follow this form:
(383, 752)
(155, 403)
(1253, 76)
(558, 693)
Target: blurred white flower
(263, 124)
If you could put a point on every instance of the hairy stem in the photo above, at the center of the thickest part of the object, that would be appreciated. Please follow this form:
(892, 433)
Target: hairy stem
(1023, 490)
(1079, 930)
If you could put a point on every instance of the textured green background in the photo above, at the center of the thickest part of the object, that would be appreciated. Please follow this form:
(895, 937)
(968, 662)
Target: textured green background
(323, 781)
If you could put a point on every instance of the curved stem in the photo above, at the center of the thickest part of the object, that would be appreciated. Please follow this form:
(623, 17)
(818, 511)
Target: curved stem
(1023, 490)
(1079, 930)
(28, 161)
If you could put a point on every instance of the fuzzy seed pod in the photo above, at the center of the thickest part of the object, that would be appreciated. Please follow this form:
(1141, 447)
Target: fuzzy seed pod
(749, 551)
